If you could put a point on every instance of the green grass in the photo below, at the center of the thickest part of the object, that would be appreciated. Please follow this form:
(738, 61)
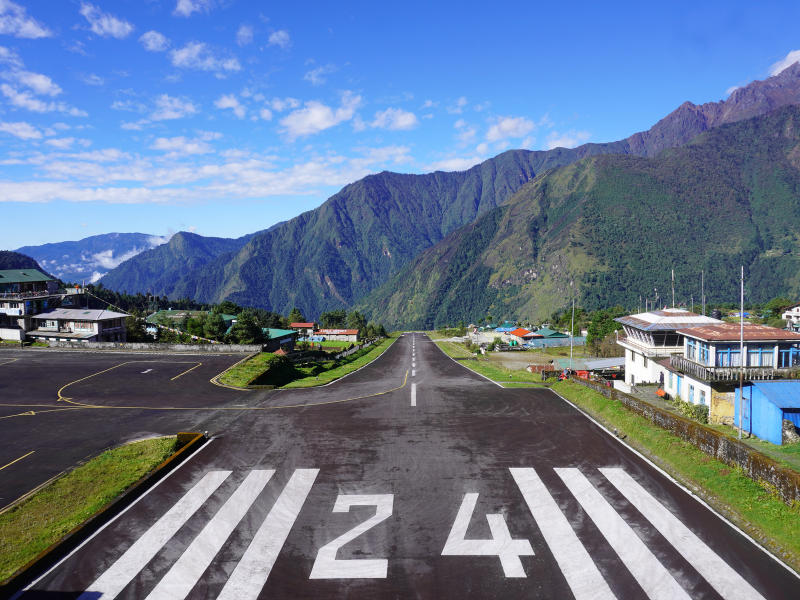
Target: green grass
(320, 374)
(488, 368)
(244, 373)
(44, 518)
(754, 507)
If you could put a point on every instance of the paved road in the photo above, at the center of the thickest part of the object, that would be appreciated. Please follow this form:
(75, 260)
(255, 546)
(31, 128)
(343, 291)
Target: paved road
(54, 435)
(443, 486)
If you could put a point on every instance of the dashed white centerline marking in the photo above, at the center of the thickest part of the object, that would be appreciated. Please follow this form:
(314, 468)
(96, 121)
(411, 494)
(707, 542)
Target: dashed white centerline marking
(413, 372)
(413, 394)
(413, 364)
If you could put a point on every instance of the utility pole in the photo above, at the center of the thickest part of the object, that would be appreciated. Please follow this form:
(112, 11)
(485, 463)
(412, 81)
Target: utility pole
(703, 290)
(571, 333)
(741, 358)
(673, 288)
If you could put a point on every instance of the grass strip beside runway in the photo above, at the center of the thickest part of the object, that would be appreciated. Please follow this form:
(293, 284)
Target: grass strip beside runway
(44, 518)
(751, 506)
(488, 368)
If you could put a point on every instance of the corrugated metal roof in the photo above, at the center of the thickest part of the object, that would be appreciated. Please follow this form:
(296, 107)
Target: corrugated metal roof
(302, 325)
(23, 276)
(80, 314)
(783, 394)
(730, 332)
(670, 319)
(605, 363)
(547, 332)
(337, 332)
(279, 333)
(519, 332)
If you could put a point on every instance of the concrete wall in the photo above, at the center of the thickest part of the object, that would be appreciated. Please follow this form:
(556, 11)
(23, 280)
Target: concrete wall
(211, 348)
(755, 465)
(721, 409)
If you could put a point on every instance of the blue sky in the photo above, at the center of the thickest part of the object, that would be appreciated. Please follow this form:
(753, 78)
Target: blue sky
(225, 116)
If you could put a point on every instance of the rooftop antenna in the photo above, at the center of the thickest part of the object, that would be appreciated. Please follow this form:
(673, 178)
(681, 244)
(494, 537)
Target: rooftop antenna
(703, 290)
(640, 303)
(673, 288)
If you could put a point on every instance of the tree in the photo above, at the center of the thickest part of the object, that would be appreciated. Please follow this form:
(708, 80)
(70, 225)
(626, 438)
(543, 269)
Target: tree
(602, 325)
(196, 326)
(355, 320)
(226, 307)
(380, 331)
(134, 330)
(776, 306)
(333, 319)
(296, 316)
(214, 328)
(370, 331)
(246, 329)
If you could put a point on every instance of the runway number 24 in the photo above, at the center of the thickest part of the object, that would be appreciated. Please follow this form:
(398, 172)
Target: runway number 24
(508, 550)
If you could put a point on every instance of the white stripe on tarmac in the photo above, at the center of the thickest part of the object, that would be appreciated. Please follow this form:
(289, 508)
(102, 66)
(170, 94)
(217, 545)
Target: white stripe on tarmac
(413, 394)
(728, 583)
(186, 572)
(581, 573)
(413, 364)
(655, 580)
(250, 575)
(413, 372)
(122, 572)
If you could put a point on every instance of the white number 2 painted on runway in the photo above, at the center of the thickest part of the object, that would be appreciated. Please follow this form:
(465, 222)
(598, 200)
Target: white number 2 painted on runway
(327, 567)
(501, 544)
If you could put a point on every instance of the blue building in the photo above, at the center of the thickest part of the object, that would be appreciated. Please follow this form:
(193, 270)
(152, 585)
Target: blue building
(766, 405)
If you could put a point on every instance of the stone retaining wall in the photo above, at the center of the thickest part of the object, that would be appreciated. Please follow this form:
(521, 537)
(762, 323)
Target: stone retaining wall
(210, 348)
(754, 464)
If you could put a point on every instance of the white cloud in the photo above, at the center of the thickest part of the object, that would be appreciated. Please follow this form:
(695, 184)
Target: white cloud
(137, 126)
(509, 127)
(180, 146)
(185, 8)
(200, 56)
(459, 106)
(455, 164)
(266, 114)
(244, 35)
(279, 105)
(9, 57)
(568, 139)
(784, 63)
(480, 107)
(230, 101)
(153, 41)
(317, 117)
(156, 240)
(129, 105)
(61, 143)
(467, 132)
(395, 119)
(429, 104)
(732, 89)
(27, 101)
(168, 108)
(280, 38)
(92, 79)
(14, 21)
(40, 84)
(315, 76)
(22, 130)
(105, 24)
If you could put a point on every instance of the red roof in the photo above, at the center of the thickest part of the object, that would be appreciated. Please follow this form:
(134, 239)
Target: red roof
(338, 331)
(303, 325)
(280, 352)
(519, 332)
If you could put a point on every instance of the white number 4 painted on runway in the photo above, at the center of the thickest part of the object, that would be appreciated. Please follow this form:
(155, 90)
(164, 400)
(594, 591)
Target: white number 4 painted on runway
(501, 544)
(327, 567)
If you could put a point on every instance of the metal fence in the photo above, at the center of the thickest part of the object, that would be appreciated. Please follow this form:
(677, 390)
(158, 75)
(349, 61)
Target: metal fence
(556, 343)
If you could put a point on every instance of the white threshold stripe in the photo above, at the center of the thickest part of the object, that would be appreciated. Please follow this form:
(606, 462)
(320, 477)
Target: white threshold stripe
(122, 572)
(413, 394)
(582, 575)
(413, 372)
(728, 583)
(252, 571)
(654, 578)
(188, 569)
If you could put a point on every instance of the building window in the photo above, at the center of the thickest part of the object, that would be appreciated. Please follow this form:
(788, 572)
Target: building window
(633, 357)
(703, 397)
(691, 394)
(704, 353)
(691, 349)
(670, 380)
(760, 355)
(728, 356)
(84, 326)
(645, 361)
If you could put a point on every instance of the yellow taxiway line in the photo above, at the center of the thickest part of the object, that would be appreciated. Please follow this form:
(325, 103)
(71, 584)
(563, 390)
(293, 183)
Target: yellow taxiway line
(19, 459)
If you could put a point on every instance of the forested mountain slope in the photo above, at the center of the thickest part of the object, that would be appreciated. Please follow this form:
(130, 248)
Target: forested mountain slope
(333, 256)
(608, 229)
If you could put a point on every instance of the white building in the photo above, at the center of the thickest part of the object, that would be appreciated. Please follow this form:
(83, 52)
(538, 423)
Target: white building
(792, 314)
(653, 336)
(79, 325)
(339, 335)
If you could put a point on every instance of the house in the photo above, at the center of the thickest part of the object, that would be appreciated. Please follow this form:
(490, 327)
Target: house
(518, 335)
(707, 371)
(304, 329)
(548, 333)
(770, 410)
(339, 335)
(25, 293)
(279, 339)
(652, 336)
(78, 325)
(607, 368)
(792, 314)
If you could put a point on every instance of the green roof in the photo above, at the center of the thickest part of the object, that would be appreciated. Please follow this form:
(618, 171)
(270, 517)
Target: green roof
(549, 333)
(278, 333)
(23, 276)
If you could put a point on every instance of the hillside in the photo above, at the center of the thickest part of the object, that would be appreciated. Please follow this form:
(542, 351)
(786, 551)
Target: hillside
(608, 229)
(159, 269)
(15, 260)
(361, 237)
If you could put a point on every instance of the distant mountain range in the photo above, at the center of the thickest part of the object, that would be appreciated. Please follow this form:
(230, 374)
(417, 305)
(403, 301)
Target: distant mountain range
(609, 229)
(14, 260)
(363, 236)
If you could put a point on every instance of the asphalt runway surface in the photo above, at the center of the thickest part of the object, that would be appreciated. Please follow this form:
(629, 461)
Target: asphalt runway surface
(416, 478)
(54, 434)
